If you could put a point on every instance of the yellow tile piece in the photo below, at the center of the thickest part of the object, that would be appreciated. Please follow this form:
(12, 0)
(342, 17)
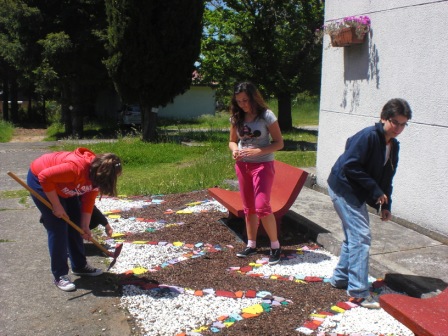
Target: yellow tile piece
(193, 203)
(255, 309)
(140, 242)
(318, 315)
(228, 324)
(139, 270)
(178, 243)
(200, 329)
(117, 235)
(114, 216)
(337, 309)
(184, 212)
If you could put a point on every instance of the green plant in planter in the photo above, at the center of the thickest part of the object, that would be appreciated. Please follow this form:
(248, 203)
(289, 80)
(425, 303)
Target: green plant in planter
(360, 24)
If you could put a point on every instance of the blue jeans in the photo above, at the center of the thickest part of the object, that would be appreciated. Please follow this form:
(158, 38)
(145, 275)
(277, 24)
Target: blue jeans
(62, 238)
(352, 269)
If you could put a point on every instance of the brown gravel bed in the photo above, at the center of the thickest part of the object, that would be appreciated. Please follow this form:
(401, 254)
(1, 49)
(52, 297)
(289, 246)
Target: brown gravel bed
(210, 271)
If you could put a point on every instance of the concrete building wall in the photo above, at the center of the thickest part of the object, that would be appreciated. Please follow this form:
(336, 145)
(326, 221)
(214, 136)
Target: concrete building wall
(406, 56)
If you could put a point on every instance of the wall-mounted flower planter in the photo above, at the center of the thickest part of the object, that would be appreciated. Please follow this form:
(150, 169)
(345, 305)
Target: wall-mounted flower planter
(346, 37)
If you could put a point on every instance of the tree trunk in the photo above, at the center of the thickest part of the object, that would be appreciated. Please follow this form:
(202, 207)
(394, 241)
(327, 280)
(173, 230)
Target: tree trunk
(149, 124)
(5, 98)
(284, 111)
(77, 123)
(44, 111)
(66, 116)
(14, 103)
(30, 112)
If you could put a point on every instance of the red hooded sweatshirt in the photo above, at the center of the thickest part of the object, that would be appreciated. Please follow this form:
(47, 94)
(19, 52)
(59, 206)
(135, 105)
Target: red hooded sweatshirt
(68, 174)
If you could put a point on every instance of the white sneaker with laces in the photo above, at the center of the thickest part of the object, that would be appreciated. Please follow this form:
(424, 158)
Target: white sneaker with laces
(64, 283)
(370, 303)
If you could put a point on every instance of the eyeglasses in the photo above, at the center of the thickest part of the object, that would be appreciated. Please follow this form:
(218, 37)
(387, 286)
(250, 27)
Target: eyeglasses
(396, 123)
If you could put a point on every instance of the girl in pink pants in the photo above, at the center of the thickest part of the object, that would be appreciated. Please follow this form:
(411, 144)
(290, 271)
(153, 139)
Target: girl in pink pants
(254, 137)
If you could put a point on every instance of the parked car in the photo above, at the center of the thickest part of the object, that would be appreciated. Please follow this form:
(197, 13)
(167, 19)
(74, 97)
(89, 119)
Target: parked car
(131, 115)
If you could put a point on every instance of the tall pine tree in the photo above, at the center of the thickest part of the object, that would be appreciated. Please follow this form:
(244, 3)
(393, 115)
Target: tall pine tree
(152, 47)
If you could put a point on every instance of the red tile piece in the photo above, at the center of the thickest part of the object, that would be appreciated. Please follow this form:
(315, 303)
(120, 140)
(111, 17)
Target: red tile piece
(343, 305)
(378, 284)
(310, 325)
(255, 275)
(225, 294)
(250, 294)
(313, 279)
(246, 269)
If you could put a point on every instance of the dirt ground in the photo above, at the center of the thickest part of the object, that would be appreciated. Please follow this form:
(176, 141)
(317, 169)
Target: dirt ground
(28, 134)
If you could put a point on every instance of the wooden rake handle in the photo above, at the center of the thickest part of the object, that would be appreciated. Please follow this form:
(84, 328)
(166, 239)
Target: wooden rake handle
(48, 204)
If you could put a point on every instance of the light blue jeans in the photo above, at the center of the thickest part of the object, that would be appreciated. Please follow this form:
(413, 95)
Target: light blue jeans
(352, 269)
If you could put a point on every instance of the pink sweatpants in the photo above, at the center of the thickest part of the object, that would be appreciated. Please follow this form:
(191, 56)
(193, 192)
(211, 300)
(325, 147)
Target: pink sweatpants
(255, 181)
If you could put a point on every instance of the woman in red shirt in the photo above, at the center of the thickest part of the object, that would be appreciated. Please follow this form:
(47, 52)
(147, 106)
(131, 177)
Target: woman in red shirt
(71, 182)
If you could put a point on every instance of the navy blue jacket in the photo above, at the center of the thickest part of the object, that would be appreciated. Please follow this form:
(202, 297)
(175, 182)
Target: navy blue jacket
(359, 174)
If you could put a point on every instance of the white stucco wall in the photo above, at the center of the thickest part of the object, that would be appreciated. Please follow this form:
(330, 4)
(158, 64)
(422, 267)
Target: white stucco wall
(197, 101)
(406, 56)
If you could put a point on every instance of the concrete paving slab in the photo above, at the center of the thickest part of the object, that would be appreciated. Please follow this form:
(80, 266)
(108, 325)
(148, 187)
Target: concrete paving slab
(428, 261)
(16, 203)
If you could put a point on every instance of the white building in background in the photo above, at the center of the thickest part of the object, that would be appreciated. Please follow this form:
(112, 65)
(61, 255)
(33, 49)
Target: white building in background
(404, 56)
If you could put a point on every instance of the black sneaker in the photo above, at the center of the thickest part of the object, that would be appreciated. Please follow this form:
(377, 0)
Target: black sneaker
(342, 285)
(274, 256)
(87, 271)
(248, 251)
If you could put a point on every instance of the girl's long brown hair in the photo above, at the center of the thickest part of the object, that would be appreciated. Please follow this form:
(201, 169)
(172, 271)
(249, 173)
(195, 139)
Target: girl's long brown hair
(256, 101)
(104, 172)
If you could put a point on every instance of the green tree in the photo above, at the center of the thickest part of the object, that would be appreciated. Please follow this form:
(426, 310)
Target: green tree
(19, 28)
(52, 48)
(71, 57)
(276, 45)
(152, 46)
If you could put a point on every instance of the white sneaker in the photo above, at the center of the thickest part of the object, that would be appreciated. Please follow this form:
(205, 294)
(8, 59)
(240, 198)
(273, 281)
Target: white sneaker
(369, 302)
(64, 283)
(88, 271)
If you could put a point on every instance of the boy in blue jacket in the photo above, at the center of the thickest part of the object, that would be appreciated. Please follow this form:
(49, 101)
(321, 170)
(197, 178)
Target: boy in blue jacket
(363, 175)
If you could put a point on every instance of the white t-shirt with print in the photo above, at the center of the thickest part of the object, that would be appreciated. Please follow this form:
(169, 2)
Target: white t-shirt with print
(255, 134)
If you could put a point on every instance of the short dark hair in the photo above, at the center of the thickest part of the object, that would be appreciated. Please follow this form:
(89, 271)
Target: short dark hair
(394, 107)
